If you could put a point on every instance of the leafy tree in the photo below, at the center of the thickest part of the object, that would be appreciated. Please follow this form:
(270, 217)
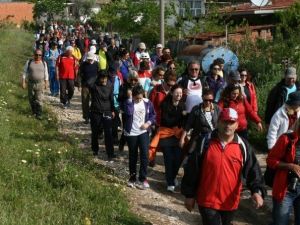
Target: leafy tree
(48, 8)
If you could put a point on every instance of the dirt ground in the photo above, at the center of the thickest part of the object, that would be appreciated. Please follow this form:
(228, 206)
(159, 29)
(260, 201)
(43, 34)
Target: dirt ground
(156, 205)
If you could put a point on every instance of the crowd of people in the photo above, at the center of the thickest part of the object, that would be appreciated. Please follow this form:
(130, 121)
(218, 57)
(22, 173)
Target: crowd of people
(197, 120)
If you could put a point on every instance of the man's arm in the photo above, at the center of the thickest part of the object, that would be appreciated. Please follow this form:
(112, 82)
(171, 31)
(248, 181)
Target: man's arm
(24, 75)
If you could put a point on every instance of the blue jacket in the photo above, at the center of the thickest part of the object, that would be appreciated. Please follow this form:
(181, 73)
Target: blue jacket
(129, 111)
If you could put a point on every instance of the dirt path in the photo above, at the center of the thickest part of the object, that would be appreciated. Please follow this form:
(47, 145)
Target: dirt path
(156, 205)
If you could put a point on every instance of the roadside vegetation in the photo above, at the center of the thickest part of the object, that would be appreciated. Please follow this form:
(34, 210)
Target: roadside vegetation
(44, 177)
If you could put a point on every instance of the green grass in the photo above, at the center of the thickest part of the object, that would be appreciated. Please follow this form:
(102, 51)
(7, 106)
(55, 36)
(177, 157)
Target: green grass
(44, 177)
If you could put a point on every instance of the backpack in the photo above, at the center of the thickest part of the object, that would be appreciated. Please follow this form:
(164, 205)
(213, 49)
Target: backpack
(269, 174)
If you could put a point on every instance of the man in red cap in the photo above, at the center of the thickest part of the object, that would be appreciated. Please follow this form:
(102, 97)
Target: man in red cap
(214, 170)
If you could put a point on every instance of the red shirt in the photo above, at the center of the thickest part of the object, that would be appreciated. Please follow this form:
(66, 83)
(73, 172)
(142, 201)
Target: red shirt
(220, 178)
(67, 67)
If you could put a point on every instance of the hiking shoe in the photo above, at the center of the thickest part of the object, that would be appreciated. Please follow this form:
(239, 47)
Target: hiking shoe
(131, 184)
(143, 185)
(171, 189)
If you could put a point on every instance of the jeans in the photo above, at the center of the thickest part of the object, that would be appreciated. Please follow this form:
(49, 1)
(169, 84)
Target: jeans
(134, 143)
(85, 102)
(216, 217)
(281, 210)
(66, 90)
(172, 160)
(54, 84)
(100, 121)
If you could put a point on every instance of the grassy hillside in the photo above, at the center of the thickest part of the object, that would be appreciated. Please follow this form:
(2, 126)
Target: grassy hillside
(44, 178)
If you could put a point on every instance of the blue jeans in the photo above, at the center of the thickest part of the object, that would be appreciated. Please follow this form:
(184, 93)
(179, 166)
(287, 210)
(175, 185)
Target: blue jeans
(172, 160)
(281, 210)
(134, 143)
(54, 84)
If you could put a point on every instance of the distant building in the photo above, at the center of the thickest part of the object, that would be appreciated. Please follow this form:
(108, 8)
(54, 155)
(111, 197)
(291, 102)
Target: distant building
(16, 12)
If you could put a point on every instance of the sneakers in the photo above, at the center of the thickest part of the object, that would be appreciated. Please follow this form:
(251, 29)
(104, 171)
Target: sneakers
(131, 184)
(171, 189)
(143, 185)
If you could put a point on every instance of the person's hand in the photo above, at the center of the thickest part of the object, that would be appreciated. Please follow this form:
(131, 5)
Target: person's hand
(57, 77)
(23, 83)
(258, 200)
(259, 127)
(129, 93)
(46, 84)
(184, 112)
(113, 115)
(185, 91)
(145, 126)
(189, 204)
(295, 168)
(181, 142)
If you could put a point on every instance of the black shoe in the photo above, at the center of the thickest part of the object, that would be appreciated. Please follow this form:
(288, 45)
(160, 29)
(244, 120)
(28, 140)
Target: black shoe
(39, 117)
(151, 163)
(121, 148)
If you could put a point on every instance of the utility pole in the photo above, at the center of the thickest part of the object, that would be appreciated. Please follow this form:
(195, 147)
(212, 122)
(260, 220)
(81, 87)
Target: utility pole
(162, 22)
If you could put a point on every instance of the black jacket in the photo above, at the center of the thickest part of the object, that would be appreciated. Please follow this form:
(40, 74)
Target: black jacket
(251, 171)
(102, 98)
(198, 122)
(88, 73)
(171, 116)
(276, 99)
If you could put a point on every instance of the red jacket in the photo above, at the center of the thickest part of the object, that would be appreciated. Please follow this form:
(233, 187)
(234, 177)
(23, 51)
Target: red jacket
(157, 95)
(67, 67)
(220, 178)
(278, 153)
(253, 98)
(243, 109)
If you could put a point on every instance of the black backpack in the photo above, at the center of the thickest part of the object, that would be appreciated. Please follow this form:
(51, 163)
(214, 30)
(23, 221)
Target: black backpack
(270, 173)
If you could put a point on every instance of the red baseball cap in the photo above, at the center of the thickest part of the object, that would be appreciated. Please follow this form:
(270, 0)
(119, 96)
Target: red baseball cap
(228, 114)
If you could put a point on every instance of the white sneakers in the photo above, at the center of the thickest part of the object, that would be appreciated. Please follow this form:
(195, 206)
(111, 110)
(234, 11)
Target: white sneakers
(140, 185)
(171, 189)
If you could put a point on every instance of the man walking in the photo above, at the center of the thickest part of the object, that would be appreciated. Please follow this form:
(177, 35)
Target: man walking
(66, 73)
(36, 73)
(212, 175)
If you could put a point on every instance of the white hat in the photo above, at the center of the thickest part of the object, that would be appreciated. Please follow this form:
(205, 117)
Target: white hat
(93, 42)
(60, 42)
(90, 55)
(69, 48)
(159, 46)
(142, 45)
(93, 49)
(145, 55)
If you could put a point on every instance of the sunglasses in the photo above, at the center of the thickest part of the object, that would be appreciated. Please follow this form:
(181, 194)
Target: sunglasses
(194, 69)
(208, 100)
(38, 54)
(243, 75)
(217, 68)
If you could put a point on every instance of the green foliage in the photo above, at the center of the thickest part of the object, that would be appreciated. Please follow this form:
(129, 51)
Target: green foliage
(44, 177)
(48, 8)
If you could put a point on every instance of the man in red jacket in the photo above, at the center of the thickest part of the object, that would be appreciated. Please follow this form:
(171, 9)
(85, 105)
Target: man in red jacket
(66, 73)
(212, 175)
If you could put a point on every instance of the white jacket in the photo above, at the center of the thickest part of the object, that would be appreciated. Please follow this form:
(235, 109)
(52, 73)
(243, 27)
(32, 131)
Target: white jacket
(279, 124)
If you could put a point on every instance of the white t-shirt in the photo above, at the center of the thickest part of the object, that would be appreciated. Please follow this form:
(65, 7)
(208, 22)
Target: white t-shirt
(194, 94)
(139, 114)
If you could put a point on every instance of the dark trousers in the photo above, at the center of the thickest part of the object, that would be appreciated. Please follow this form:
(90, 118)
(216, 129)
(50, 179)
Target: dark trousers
(98, 122)
(66, 90)
(135, 143)
(172, 160)
(122, 140)
(216, 217)
(116, 122)
(35, 95)
(85, 102)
